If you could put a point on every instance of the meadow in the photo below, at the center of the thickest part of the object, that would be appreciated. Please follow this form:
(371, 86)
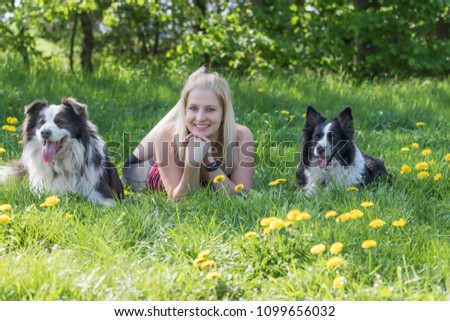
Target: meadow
(145, 248)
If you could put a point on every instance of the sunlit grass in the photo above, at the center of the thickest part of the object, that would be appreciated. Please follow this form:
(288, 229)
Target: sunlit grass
(144, 247)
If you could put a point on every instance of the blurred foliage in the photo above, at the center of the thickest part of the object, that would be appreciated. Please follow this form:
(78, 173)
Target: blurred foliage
(360, 37)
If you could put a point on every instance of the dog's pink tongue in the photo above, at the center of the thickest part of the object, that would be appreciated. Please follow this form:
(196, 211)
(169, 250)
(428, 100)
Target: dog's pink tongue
(49, 152)
(322, 163)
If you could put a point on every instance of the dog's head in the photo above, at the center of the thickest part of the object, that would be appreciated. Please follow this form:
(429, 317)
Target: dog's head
(54, 126)
(324, 141)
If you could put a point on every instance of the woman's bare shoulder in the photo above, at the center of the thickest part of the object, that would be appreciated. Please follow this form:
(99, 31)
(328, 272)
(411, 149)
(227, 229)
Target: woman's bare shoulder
(166, 131)
(243, 133)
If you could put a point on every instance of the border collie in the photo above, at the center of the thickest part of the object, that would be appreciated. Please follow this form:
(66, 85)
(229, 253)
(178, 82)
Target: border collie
(63, 153)
(330, 157)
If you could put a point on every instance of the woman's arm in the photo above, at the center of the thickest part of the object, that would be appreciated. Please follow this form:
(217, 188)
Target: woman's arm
(178, 181)
(244, 170)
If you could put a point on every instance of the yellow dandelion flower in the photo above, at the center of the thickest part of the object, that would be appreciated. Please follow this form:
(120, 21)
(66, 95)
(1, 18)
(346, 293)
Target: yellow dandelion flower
(260, 90)
(284, 112)
(343, 217)
(426, 152)
(2, 150)
(333, 262)
(291, 117)
(198, 261)
(276, 224)
(213, 275)
(204, 254)
(422, 166)
(5, 207)
(405, 169)
(4, 219)
(239, 187)
(68, 216)
(352, 189)
(50, 201)
(288, 223)
(367, 204)
(437, 177)
(206, 264)
(266, 231)
(339, 282)
(293, 214)
(330, 214)
(420, 124)
(399, 223)
(9, 128)
(12, 120)
(19, 142)
(318, 249)
(303, 216)
(355, 214)
(336, 248)
(432, 162)
(447, 157)
(405, 149)
(368, 244)
(250, 234)
(377, 223)
(267, 220)
(219, 179)
(304, 115)
(277, 181)
(415, 145)
(422, 175)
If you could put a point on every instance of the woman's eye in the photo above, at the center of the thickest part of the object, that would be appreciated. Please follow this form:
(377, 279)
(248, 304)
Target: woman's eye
(193, 108)
(210, 109)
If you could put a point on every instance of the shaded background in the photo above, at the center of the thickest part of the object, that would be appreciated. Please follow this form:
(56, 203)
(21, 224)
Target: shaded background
(364, 38)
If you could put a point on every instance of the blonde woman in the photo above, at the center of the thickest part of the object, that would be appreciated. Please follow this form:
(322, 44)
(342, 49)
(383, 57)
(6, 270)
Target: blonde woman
(196, 142)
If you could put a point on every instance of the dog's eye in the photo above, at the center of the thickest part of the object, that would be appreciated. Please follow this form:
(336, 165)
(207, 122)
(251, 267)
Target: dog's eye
(41, 122)
(316, 136)
(59, 121)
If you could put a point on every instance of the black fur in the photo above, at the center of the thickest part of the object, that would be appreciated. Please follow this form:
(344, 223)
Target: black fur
(341, 144)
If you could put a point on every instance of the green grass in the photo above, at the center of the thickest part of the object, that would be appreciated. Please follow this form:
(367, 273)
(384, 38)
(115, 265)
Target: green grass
(144, 247)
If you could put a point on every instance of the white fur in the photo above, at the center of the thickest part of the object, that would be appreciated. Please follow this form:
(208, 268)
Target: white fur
(64, 174)
(324, 143)
(335, 174)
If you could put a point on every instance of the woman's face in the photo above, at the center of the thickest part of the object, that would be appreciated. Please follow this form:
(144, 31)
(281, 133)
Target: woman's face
(203, 113)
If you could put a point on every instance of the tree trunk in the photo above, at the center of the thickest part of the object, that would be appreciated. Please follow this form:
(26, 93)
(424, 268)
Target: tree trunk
(363, 47)
(72, 40)
(442, 29)
(88, 42)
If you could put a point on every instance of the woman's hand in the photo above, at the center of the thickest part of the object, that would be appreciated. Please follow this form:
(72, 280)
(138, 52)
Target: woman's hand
(197, 148)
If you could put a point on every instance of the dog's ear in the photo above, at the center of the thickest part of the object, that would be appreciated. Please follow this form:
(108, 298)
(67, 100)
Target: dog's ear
(313, 117)
(35, 106)
(78, 108)
(345, 121)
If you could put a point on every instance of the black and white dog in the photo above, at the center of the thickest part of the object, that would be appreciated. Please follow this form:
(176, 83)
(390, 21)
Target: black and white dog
(330, 157)
(63, 153)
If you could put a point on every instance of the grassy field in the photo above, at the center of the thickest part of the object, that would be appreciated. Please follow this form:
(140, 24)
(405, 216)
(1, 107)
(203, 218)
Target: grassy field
(144, 247)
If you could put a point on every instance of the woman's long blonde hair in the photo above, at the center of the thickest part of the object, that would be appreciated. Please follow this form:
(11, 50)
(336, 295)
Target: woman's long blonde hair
(227, 131)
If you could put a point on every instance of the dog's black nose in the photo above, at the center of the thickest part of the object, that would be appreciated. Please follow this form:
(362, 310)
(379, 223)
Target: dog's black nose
(46, 133)
(320, 149)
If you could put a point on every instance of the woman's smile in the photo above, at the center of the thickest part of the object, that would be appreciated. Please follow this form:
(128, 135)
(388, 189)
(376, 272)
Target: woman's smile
(203, 113)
